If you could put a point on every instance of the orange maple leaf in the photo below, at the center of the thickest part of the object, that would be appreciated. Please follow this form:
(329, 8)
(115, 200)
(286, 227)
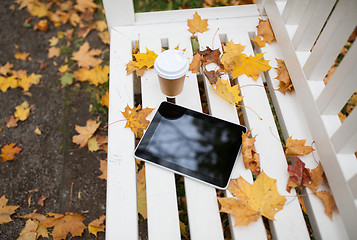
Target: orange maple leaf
(252, 201)
(6, 69)
(136, 118)
(259, 41)
(97, 225)
(297, 147)
(83, 5)
(285, 84)
(53, 52)
(85, 57)
(251, 158)
(103, 168)
(197, 24)
(95, 76)
(328, 201)
(85, 133)
(22, 55)
(6, 211)
(105, 99)
(265, 31)
(8, 152)
(64, 224)
(250, 66)
(195, 65)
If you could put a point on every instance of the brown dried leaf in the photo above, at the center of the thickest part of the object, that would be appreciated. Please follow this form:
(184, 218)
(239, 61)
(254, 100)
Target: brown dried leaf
(6, 210)
(265, 31)
(250, 156)
(329, 202)
(285, 84)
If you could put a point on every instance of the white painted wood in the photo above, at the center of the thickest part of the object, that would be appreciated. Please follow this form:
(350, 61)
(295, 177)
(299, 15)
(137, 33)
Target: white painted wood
(293, 11)
(353, 185)
(293, 124)
(122, 211)
(331, 41)
(119, 12)
(202, 207)
(344, 139)
(163, 220)
(312, 21)
(331, 161)
(341, 85)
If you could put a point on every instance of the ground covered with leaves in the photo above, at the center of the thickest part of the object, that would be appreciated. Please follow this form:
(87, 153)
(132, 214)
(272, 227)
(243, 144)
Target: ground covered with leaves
(52, 119)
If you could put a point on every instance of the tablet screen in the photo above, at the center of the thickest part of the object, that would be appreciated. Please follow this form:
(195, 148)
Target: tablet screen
(192, 144)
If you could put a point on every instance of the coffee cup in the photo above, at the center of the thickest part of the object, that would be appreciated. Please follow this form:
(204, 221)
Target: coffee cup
(171, 67)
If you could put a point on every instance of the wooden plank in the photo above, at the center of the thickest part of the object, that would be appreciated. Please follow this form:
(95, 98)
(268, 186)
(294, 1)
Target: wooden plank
(335, 34)
(163, 220)
(122, 212)
(203, 213)
(293, 124)
(312, 21)
(293, 11)
(119, 13)
(341, 85)
(289, 222)
(222, 109)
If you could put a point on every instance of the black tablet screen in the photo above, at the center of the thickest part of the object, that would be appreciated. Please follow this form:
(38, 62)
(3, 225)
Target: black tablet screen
(192, 143)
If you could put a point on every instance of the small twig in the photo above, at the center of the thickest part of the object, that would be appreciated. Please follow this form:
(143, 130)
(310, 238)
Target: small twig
(113, 123)
(214, 37)
(70, 198)
(271, 131)
(238, 105)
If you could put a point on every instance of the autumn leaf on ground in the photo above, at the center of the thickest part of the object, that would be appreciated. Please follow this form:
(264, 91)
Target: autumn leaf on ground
(6, 210)
(105, 99)
(197, 24)
(230, 52)
(97, 225)
(136, 118)
(265, 31)
(250, 156)
(53, 52)
(8, 82)
(329, 202)
(53, 41)
(104, 37)
(141, 190)
(22, 55)
(83, 5)
(250, 66)
(259, 41)
(101, 25)
(85, 57)
(12, 122)
(297, 147)
(37, 131)
(26, 81)
(66, 79)
(230, 94)
(29, 232)
(41, 25)
(93, 145)
(64, 224)
(8, 152)
(285, 84)
(85, 133)
(252, 201)
(6, 69)
(38, 9)
(103, 142)
(103, 169)
(22, 111)
(95, 76)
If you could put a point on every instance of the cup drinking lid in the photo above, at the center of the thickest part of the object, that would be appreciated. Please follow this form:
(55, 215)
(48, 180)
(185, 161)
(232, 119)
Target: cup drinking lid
(171, 64)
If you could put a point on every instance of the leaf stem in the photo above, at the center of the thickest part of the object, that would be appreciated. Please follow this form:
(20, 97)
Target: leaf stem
(114, 122)
(238, 105)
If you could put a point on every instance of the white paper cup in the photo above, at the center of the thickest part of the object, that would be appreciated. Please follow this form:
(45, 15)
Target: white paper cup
(171, 67)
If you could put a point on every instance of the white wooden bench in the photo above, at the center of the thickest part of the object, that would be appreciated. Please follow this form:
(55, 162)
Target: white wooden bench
(308, 113)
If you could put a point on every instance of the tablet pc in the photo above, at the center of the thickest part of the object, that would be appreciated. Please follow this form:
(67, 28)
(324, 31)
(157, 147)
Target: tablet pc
(192, 144)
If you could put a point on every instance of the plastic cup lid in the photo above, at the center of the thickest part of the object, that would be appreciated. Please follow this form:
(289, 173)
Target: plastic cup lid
(171, 64)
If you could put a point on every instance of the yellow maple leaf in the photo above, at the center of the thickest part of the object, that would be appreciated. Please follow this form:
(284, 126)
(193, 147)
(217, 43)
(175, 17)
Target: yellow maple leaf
(85, 57)
(6, 211)
(259, 41)
(227, 92)
(230, 52)
(85, 133)
(250, 66)
(265, 31)
(22, 55)
(297, 147)
(83, 5)
(136, 118)
(8, 82)
(145, 60)
(6, 69)
(93, 144)
(285, 84)
(252, 201)
(8, 152)
(26, 81)
(197, 24)
(53, 52)
(64, 224)
(101, 25)
(63, 68)
(97, 225)
(251, 158)
(95, 76)
(53, 41)
(39, 9)
(328, 201)
(105, 99)
(22, 111)
(104, 36)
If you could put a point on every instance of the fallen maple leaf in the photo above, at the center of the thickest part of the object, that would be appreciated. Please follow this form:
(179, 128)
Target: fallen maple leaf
(6, 69)
(22, 55)
(197, 24)
(316, 177)
(6, 211)
(251, 158)
(103, 169)
(136, 118)
(104, 37)
(297, 147)
(85, 133)
(29, 231)
(38, 9)
(12, 122)
(26, 81)
(64, 224)
(101, 25)
(41, 200)
(105, 99)
(329, 202)
(53, 52)
(265, 31)
(227, 92)
(195, 65)
(8, 152)
(83, 5)
(285, 84)
(53, 41)
(212, 75)
(66, 79)
(93, 144)
(252, 201)
(85, 57)
(250, 66)
(41, 25)
(22, 111)
(8, 82)
(209, 55)
(97, 225)
(142, 62)
(95, 76)
(230, 52)
(257, 40)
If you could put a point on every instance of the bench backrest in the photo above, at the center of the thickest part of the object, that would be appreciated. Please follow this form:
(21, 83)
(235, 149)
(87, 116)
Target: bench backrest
(310, 34)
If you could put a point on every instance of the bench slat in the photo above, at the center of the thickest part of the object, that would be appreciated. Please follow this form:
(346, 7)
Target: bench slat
(163, 220)
(293, 11)
(289, 222)
(122, 212)
(293, 124)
